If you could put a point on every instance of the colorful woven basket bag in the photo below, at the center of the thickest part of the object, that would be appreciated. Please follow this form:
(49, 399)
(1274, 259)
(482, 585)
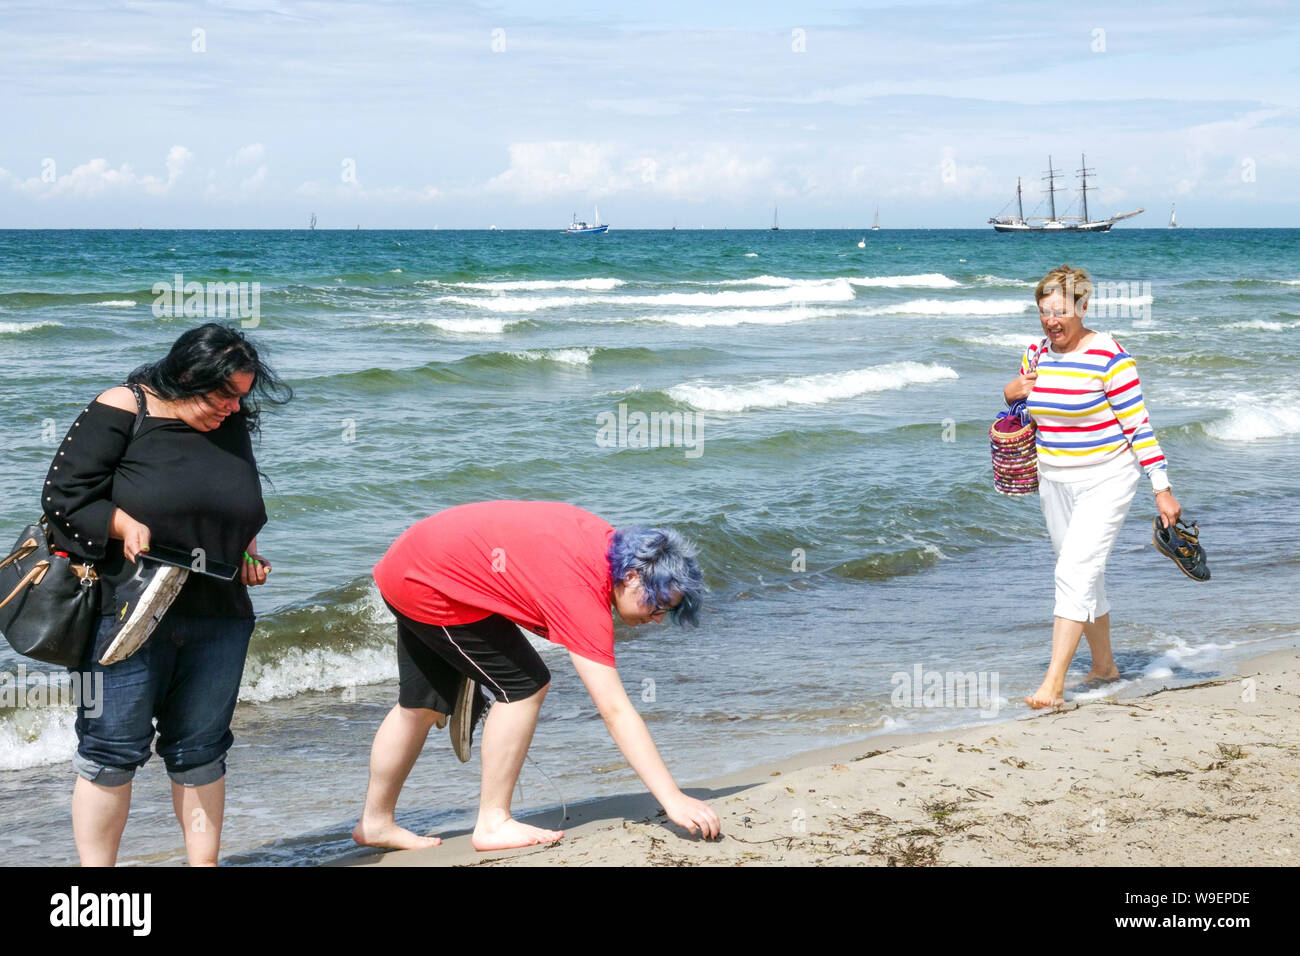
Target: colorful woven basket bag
(1012, 441)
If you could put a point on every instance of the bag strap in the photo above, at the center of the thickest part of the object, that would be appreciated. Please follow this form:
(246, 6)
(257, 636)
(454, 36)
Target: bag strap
(141, 406)
(1042, 347)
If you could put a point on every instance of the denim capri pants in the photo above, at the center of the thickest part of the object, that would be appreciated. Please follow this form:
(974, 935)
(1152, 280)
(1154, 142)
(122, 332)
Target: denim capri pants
(186, 680)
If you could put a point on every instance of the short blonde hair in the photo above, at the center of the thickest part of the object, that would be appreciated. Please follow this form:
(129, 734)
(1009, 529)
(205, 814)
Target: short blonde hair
(1074, 284)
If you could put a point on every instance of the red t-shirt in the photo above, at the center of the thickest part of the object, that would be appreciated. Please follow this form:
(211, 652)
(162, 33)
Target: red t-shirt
(542, 564)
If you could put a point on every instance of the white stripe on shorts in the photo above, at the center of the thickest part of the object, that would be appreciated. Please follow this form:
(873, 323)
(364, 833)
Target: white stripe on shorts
(472, 661)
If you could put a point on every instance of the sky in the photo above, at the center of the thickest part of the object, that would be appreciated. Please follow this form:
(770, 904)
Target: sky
(256, 114)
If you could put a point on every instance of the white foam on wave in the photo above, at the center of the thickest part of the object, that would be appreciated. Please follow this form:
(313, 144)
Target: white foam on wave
(464, 326)
(809, 389)
(928, 280)
(773, 282)
(517, 303)
(117, 303)
(578, 356)
(37, 737)
(1182, 655)
(392, 271)
(954, 307)
(727, 317)
(596, 284)
(1262, 325)
(300, 670)
(836, 290)
(1016, 340)
(18, 328)
(751, 255)
(1251, 422)
(999, 280)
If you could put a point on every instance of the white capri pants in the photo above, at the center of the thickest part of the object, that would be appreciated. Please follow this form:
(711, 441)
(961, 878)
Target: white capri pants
(1084, 518)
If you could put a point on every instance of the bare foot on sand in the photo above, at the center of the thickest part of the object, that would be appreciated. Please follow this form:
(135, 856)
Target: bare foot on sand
(509, 834)
(1046, 696)
(392, 837)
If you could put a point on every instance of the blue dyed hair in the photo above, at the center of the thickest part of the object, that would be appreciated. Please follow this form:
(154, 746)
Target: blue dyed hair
(665, 561)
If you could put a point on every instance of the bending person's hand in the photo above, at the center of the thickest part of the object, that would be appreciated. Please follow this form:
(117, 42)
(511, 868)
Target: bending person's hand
(693, 815)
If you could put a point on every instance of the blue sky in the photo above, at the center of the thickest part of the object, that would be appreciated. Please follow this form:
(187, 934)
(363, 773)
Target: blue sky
(410, 115)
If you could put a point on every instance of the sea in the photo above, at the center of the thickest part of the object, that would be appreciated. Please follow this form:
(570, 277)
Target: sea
(811, 407)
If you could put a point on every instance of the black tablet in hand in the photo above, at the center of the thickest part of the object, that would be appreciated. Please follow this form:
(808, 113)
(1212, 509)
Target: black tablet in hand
(199, 563)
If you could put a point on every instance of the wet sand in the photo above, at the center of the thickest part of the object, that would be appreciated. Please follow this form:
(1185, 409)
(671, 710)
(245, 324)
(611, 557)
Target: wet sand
(1204, 775)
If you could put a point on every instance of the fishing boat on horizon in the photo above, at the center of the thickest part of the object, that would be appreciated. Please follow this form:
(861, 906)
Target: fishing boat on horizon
(1053, 222)
(580, 227)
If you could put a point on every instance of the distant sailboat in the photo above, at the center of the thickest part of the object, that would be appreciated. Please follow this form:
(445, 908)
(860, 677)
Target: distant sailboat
(313, 221)
(875, 221)
(862, 243)
(1053, 222)
(776, 225)
(1173, 221)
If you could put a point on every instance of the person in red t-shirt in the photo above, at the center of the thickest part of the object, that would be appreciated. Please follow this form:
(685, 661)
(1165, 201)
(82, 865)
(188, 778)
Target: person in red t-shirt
(458, 583)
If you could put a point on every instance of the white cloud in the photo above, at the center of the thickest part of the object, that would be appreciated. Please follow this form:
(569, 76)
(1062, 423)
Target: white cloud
(97, 178)
(177, 157)
(250, 154)
(543, 170)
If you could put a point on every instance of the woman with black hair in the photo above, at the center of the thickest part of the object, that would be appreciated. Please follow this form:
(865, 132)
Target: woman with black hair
(185, 478)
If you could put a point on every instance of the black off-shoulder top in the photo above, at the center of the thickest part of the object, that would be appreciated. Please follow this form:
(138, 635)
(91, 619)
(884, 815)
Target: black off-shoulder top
(192, 489)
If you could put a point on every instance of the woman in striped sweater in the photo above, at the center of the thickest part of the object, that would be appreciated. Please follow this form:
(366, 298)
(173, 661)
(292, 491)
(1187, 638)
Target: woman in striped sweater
(1083, 392)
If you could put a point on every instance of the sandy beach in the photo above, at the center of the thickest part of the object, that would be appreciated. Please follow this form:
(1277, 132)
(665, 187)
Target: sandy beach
(1205, 775)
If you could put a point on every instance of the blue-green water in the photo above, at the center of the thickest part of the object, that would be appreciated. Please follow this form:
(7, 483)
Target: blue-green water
(832, 463)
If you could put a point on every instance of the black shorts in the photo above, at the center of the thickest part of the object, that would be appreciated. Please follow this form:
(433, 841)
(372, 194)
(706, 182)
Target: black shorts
(431, 660)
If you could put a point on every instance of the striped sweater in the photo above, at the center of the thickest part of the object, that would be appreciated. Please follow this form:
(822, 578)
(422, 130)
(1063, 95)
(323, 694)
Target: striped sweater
(1089, 410)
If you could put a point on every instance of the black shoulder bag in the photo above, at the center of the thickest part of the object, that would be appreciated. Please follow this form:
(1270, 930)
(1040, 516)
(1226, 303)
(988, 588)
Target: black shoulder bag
(49, 602)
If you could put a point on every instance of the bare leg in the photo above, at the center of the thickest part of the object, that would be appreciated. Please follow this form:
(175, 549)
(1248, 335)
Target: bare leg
(507, 734)
(1103, 661)
(1065, 638)
(397, 745)
(98, 819)
(200, 811)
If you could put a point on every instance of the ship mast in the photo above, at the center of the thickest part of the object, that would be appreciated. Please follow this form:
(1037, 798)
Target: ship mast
(1020, 206)
(1083, 172)
(1051, 186)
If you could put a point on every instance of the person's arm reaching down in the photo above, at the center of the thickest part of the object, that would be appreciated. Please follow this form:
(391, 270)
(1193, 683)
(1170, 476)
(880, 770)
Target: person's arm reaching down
(629, 732)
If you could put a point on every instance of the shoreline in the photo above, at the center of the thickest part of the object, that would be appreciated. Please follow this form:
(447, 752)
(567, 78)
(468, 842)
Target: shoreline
(1195, 775)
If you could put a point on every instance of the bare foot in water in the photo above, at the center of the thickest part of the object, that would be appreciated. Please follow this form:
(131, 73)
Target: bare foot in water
(392, 837)
(1046, 696)
(510, 833)
(1102, 675)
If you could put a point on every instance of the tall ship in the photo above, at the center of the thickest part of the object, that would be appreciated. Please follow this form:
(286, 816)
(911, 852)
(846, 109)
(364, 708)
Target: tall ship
(579, 227)
(1054, 223)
